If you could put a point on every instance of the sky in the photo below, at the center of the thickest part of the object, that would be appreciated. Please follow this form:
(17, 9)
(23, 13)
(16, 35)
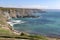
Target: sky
(45, 4)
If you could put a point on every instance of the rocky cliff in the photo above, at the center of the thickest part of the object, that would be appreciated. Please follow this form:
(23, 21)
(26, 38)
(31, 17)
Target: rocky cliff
(19, 12)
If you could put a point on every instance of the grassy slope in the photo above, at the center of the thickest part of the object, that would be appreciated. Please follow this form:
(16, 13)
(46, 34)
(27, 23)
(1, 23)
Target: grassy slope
(5, 31)
(8, 34)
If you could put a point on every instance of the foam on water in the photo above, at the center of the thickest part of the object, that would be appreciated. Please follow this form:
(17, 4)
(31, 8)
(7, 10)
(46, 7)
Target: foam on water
(12, 22)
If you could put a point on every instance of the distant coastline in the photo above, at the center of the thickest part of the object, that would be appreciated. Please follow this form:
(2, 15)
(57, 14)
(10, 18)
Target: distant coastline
(20, 12)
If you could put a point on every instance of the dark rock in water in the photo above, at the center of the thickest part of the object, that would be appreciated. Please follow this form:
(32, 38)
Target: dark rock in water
(30, 16)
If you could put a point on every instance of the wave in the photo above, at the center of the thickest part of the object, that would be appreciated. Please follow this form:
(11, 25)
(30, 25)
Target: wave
(12, 22)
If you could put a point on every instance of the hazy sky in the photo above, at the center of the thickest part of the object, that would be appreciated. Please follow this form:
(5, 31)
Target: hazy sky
(50, 4)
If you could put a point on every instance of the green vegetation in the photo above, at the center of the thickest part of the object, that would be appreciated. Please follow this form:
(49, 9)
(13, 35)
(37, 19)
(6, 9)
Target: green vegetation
(2, 19)
(4, 31)
(7, 39)
(8, 34)
(37, 37)
(2, 22)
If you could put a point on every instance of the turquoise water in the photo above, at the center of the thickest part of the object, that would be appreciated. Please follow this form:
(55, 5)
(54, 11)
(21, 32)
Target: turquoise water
(47, 24)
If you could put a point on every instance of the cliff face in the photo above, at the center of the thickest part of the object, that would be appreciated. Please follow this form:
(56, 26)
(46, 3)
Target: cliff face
(19, 12)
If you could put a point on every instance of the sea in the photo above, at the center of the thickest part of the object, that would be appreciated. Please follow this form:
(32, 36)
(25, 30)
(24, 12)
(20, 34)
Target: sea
(47, 24)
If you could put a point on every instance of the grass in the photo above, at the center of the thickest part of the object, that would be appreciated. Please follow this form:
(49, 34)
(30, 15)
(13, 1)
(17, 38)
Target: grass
(2, 19)
(37, 37)
(8, 34)
(7, 39)
(2, 22)
(5, 31)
